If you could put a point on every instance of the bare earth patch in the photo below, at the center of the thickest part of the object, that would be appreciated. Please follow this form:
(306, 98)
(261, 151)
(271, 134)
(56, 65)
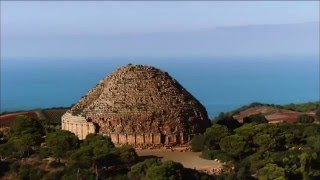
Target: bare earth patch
(187, 159)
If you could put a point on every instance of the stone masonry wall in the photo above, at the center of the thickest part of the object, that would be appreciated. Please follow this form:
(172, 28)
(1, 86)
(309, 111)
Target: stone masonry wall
(139, 105)
(138, 140)
(77, 125)
(81, 128)
(142, 99)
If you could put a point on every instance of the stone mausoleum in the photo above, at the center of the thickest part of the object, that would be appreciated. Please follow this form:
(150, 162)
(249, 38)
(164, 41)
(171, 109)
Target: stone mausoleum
(138, 105)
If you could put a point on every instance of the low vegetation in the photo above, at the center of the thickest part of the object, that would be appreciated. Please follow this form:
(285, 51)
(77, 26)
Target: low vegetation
(31, 152)
(33, 149)
(266, 151)
(305, 118)
(303, 107)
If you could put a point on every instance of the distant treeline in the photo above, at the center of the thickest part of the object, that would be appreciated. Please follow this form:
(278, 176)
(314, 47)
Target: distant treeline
(302, 107)
(41, 109)
(59, 107)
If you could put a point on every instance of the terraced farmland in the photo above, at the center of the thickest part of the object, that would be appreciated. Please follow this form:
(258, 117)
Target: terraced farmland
(7, 119)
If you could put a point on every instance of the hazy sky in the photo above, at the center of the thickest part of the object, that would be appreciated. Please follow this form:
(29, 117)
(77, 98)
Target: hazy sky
(43, 23)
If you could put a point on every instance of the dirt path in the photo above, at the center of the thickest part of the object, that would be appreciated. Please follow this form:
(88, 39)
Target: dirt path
(187, 159)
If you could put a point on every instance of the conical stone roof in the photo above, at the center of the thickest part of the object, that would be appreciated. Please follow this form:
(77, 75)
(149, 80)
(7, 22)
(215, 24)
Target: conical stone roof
(137, 99)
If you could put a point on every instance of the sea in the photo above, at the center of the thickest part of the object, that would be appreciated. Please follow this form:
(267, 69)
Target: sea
(221, 84)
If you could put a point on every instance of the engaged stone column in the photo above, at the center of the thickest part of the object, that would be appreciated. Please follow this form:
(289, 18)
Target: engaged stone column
(77, 125)
(74, 128)
(63, 125)
(182, 138)
(123, 139)
(148, 138)
(85, 130)
(81, 132)
(66, 126)
(167, 140)
(114, 138)
(140, 139)
(92, 129)
(157, 138)
(131, 138)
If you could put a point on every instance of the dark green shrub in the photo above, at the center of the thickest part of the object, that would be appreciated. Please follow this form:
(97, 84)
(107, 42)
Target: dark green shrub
(318, 115)
(305, 118)
(14, 167)
(192, 174)
(4, 167)
(25, 125)
(233, 145)
(139, 170)
(197, 143)
(127, 154)
(44, 152)
(55, 164)
(272, 171)
(167, 170)
(28, 172)
(208, 154)
(256, 118)
(213, 135)
(224, 157)
(228, 121)
(61, 142)
(314, 142)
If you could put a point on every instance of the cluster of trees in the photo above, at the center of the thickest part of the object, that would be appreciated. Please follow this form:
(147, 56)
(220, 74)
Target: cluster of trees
(29, 148)
(227, 120)
(155, 169)
(304, 107)
(151, 169)
(25, 138)
(255, 148)
(305, 118)
(260, 150)
(92, 158)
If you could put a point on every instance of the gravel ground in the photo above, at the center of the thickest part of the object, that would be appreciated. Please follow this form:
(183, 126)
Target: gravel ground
(187, 159)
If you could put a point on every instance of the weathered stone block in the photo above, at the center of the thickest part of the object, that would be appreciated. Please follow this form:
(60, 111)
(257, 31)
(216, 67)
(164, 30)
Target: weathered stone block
(74, 128)
(123, 139)
(85, 131)
(114, 138)
(148, 138)
(183, 138)
(140, 139)
(131, 138)
(157, 138)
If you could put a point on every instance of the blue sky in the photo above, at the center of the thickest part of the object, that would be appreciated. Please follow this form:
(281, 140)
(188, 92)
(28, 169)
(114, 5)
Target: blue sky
(34, 29)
